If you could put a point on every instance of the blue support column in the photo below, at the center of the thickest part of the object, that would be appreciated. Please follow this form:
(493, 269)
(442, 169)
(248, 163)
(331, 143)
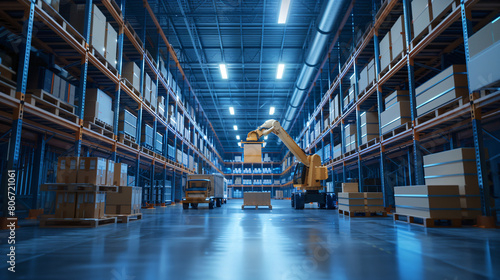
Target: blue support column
(83, 77)
(119, 62)
(477, 128)
(418, 168)
(17, 122)
(387, 190)
(358, 125)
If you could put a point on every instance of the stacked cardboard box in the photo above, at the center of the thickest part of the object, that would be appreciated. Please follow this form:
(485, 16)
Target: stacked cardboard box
(442, 88)
(337, 151)
(372, 71)
(335, 109)
(110, 172)
(369, 126)
(427, 201)
(397, 111)
(363, 79)
(92, 170)
(98, 30)
(456, 167)
(350, 187)
(361, 202)
(484, 49)
(385, 51)
(98, 106)
(111, 44)
(120, 174)
(146, 92)
(161, 106)
(90, 205)
(65, 204)
(350, 137)
(398, 40)
(126, 201)
(159, 143)
(420, 15)
(127, 123)
(45, 80)
(147, 136)
(67, 170)
(132, 73)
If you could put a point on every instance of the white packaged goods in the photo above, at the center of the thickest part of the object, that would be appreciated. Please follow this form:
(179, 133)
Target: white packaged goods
(111, 44)
(385, 51)
(420, 16)
(395, 115)
(398, 41)
(98, 30)
(369, 126)
(98, 106)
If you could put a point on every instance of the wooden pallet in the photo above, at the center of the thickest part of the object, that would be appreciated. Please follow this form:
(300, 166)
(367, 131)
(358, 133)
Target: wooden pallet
(129, 85)
(370, 143)
(257, 206)
(103, 60)
(445, 108)
(75, 222)
(40, 93)
(148, 151)
(160, 157)
(52, 105)
(366, 214)
(99, 128)
(7, 87)
(129, 143)
(77, 187)
(389, 67)
(126, 218)
(400, 129)
(428, 222)
(124, 136)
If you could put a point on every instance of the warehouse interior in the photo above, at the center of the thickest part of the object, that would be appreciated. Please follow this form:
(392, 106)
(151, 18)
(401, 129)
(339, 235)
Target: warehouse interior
(259, 139)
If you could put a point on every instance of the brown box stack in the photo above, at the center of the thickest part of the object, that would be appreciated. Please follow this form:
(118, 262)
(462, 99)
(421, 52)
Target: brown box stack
(361, 202)
(110, 172)
(457, 167)
(67, 168)
(126, 201)
(92, 170)
(120, 174)
(369, 126)
(425, 201)
(90, 205)
(65, 204)
(132, 73)
(349, 187)
(397, 111)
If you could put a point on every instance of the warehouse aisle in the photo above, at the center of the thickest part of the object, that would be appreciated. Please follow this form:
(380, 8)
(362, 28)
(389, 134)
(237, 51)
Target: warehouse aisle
(228, 243)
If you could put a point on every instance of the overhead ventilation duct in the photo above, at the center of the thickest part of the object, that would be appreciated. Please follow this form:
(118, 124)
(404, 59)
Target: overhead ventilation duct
(328, 22)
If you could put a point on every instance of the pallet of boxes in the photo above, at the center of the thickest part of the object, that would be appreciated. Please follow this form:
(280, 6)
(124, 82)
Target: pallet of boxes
(451, 196)
(360, 204)
(82, 184)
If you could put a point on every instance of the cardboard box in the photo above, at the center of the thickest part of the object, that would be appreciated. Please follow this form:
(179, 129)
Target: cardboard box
(65, 205)
(132, 73)
(420, 15)
(147, 88)
(350, 187)
(252, 153)
(484, 38)
(439, 8)
(90, 205)
(110, 172)
(67, 168)
(395, 116)
(120, 174)
(385, 51)
(396, 96)
(127, 123)
(98, 30)
(337, 151)
(369, 126)
(484, 71)
(363, 79)
(428, 201)
(98, 106)
(372, 71)
(398, 40)
(92, 170)
(126, 201)
(350, 129)
(111, 44)
(351, 201)
(442, 88)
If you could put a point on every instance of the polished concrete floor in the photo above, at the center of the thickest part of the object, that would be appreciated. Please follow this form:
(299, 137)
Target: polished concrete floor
(230, 243)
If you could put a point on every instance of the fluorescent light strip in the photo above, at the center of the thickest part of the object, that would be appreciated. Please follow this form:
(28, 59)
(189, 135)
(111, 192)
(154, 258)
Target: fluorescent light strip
(231, 110)
(285, 5)
(237, 137)
(271, 111)
(235, 127)
(281, 69)
(223, 71)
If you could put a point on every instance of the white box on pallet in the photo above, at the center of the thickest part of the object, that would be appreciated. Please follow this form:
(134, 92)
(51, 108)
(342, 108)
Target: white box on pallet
(147, 88)
(396, 96)
(420, 15)
(385, 51)
(363, 79)
(372, 71)
(395, 115)
(398, 40)
(98, 30)
(442, 88)
(111, 44)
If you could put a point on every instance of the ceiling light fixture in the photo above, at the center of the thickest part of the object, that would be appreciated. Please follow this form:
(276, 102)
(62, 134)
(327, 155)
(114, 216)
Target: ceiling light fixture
(235, 127)
(271, 111)
(237, 137)
(285, 5)
(265, 137)
(281, 69)
(231, 110)
(223, 71)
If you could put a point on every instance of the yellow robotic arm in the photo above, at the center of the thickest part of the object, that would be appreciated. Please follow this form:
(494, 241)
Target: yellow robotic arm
(312, 172)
